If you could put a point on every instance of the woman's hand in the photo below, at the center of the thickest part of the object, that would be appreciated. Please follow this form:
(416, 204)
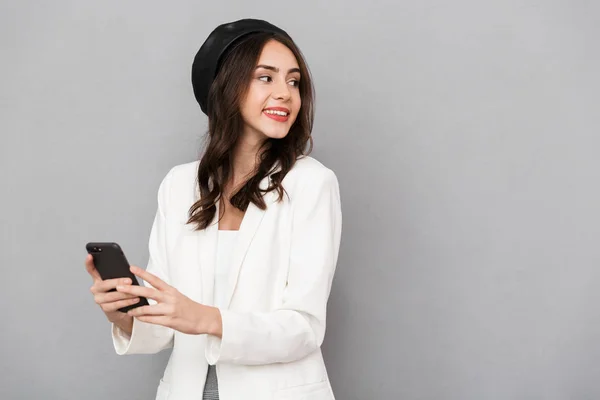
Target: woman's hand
(110, 302)
(173, 309)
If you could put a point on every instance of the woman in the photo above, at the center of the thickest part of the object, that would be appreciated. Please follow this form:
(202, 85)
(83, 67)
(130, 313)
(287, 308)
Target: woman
(241, 298)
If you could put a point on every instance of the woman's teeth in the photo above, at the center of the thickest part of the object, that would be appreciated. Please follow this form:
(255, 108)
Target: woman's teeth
(282, 113)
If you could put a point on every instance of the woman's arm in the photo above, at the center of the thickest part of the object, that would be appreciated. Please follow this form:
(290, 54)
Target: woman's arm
(297, 328)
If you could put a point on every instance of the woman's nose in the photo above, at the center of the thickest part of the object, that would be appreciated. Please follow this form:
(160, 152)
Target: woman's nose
(282, 91)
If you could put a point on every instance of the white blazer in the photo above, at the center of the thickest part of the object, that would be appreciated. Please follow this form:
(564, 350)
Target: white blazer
(281, 275)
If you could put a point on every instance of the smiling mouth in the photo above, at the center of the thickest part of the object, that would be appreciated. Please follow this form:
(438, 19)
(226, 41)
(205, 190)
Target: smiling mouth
(277, 112)
(277, 115)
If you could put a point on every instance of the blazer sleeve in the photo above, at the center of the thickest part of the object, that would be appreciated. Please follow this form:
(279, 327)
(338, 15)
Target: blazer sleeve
(150, 338)
(297, 327)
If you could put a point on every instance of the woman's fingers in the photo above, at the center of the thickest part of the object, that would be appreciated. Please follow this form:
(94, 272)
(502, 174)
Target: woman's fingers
(147, 292)
(104, 297)
(156, 309)
(115, 305)
(153, 280)
(109, 284)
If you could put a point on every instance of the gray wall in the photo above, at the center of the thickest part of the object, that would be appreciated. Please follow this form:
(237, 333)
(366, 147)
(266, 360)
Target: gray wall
(465, 138)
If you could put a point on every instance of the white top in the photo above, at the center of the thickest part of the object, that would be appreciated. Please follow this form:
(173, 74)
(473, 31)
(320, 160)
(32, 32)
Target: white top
(225, 245)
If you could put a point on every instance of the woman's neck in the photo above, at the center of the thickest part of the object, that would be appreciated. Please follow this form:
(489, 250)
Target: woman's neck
(245, 161)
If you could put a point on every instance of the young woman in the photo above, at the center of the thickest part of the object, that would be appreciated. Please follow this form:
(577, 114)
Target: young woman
(245, 242)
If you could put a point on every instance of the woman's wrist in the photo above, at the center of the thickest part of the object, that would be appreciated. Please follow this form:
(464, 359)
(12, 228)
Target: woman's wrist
(125, 325)
(212, 324)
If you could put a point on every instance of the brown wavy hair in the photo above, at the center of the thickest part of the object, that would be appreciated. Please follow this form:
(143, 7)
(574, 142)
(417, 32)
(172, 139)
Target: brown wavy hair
(225, 127)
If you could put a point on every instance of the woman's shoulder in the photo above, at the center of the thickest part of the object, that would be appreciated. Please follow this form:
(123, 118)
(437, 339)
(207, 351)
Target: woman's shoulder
(182, 176)
(178, 186)
(308, 164)
(308, 171)
(183, 172)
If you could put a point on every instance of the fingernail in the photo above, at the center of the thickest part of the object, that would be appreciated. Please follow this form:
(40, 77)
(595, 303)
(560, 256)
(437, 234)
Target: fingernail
(127, 281)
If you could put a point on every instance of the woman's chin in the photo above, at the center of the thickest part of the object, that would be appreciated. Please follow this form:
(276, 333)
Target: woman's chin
(275, 134)
(265, 132)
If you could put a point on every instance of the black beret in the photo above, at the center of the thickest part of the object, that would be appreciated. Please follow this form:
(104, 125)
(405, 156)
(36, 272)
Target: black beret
(214, 49)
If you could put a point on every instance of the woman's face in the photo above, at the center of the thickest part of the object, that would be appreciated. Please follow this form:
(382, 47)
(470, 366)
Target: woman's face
(273, 99)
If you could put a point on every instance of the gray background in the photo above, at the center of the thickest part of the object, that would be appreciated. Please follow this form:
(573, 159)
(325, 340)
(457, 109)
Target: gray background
(465, 138)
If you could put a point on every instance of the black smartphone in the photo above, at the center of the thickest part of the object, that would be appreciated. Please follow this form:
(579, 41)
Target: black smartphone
(111, 263)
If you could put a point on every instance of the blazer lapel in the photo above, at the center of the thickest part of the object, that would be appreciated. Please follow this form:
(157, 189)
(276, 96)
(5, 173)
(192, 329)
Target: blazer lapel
(248, 228)
(207, 257)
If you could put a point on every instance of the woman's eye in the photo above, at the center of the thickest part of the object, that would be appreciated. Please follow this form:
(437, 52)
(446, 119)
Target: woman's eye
(265, 78)
(295, 83)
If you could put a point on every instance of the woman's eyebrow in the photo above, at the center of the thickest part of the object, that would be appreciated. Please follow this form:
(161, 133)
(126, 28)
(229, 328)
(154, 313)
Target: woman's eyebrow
(275, 69)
